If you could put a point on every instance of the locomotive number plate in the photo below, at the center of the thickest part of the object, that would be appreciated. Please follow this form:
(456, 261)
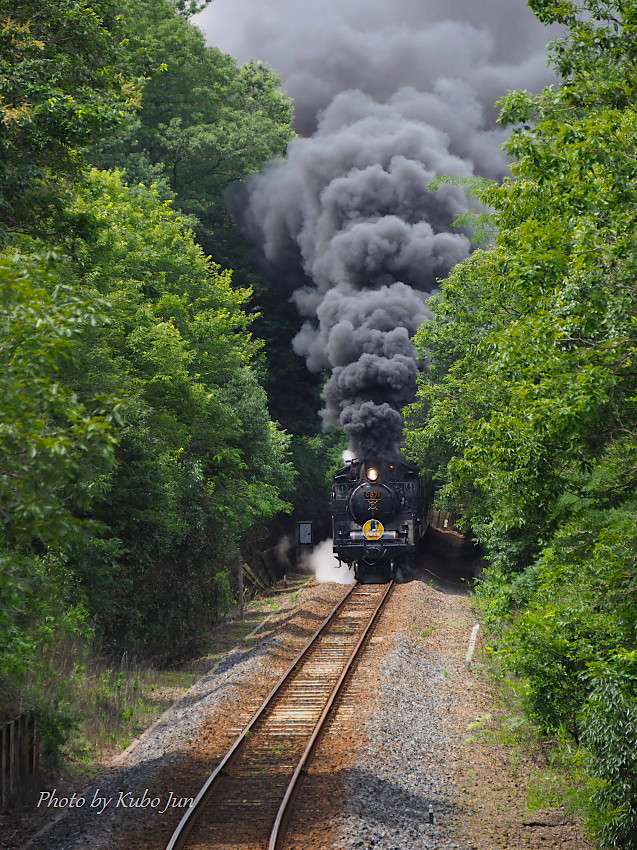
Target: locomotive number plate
(372, 498)
(373, 529)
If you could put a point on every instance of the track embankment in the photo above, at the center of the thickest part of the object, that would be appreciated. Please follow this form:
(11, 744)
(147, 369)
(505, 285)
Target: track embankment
(249, 797)
(402, 745)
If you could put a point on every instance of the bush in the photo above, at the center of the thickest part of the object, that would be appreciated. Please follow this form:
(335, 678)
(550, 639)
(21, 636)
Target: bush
(609, 726)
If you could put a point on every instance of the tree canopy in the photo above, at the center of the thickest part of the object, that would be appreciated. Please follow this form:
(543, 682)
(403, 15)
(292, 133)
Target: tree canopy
(139, 458)
(66, 80)
(528, 407)
(204, 122)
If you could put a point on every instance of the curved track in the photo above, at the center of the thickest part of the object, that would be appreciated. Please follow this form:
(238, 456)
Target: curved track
(246, 800)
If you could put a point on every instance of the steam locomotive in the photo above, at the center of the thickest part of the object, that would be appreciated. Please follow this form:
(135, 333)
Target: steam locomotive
(379, 515)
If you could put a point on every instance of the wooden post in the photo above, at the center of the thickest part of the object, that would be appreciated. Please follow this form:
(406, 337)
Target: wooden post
(13, 757)
(4, 777)
(35, 765)
(472, 645)
(24, 752)
(240, 589)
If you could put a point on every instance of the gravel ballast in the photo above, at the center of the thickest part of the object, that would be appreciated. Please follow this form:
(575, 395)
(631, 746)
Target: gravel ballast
(171, 760)
(395, 784)
(399, 747)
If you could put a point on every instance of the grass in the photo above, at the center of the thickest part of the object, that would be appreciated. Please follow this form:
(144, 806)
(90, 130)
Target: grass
(429, 630)
(114, 702)
(552, 770)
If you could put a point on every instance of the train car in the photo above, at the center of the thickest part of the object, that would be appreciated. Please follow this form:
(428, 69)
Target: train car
(379, 515)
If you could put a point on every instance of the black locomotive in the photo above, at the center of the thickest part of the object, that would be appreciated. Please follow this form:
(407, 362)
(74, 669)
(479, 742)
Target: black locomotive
(379, 515)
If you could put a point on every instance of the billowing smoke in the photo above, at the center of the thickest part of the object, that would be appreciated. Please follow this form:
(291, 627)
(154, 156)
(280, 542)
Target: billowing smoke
(387, 98)
(351, 206)
(323, 563)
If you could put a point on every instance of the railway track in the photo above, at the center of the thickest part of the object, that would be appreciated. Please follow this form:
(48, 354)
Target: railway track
(246, 801)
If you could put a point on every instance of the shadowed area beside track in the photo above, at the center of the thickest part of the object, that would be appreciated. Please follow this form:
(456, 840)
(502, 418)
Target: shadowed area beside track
(451, 559)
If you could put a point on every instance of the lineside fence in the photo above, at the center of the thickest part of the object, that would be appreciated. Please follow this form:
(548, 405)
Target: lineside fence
(443, 519)
(19, 760)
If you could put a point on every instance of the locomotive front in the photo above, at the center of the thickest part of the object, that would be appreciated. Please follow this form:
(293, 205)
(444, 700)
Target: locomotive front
(379, 514)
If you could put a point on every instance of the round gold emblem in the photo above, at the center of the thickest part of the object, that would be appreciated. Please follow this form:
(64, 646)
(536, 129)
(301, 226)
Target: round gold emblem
(373, 529)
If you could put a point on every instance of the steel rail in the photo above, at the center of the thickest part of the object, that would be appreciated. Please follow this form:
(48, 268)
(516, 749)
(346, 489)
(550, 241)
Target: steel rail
(189, 819)
(278, 830)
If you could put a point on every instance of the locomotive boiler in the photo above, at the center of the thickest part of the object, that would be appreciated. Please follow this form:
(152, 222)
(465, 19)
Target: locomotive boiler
(379, 514)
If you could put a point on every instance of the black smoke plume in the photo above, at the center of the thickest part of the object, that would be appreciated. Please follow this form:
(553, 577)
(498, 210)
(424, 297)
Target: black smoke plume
(387, 98)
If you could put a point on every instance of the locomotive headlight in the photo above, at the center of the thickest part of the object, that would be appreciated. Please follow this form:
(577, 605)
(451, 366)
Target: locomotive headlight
(372, 474)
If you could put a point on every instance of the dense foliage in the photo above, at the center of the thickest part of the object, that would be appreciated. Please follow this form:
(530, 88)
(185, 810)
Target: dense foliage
(138, 455)
(66, 80)
(198, 461)
(529, 407)
(203, 123)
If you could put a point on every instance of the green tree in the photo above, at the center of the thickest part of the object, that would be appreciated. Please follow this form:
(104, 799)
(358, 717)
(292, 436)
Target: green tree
(137, 453)
(200, 465)
(204, 123)
(532, 347)
(529, 406)
(65, 81)
(53, 445)
(55, 451)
